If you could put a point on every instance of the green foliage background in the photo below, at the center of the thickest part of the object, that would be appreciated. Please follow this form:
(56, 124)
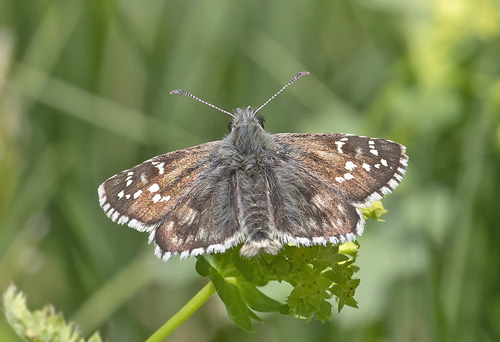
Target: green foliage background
(84, 94)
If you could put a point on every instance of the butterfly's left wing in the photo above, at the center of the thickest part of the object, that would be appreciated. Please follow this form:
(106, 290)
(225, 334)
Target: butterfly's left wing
(361, 169)
(139, 197)
(178, 199)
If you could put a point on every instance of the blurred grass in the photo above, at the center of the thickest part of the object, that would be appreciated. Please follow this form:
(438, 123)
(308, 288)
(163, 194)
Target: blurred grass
(84, 94)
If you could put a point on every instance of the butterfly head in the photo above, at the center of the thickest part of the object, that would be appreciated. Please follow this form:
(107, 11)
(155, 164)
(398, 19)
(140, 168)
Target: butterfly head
(246, 117)
(246, 131)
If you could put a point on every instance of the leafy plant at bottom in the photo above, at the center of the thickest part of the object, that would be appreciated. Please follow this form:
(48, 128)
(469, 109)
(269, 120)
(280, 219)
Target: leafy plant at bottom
(316, 273)
(40, 325)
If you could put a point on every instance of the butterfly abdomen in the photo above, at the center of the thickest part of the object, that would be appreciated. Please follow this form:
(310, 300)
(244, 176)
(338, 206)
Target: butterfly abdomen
(255, 215)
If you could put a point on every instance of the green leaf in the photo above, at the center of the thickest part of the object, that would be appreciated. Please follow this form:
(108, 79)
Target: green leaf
(349, 291)
(257, 300)
(247, 269)
(237, 308)
(229, 293)
(202, 266)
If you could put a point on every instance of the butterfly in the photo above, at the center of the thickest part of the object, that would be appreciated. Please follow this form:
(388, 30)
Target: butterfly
(254, 188)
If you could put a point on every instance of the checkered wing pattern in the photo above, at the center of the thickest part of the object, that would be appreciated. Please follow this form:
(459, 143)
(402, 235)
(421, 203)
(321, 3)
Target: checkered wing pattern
(173, 197)
(361, 169)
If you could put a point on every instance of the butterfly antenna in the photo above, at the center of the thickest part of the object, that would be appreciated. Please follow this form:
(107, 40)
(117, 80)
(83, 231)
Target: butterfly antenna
(182, 92)
(295, 78)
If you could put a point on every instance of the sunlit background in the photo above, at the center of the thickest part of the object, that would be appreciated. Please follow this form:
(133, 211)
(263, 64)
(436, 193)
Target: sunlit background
(84, 94)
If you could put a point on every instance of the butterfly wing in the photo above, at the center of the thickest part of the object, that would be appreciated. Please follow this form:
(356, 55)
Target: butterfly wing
(362, 169)
(204, 220)
(306, 210)
(157, 196)
(320, 181)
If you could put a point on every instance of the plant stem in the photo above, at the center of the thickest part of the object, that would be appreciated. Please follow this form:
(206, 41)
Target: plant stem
(187, 310)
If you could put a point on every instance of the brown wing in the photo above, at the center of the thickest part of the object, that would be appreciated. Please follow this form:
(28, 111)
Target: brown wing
(307, 210)
(171, 196)
(362, 169)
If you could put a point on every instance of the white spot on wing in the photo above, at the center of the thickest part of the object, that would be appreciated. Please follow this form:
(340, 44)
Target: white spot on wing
(350, 166)
(154, 188)
(165, 198)
(383, 162)
(158, 252)
(339, 179)
(137, 193)
(102, 200)
(366, 166)
(348, 176)
(115, 216)
(393, 183)
(166, 256)
(360, 226)
(334, 240)
(102, 194)
(300, 241)
(385, 190)
(140, 226)
(339, 146)
(350, 237)
(160, 168)
(156, 198)
(123, 220)
(121, 194)
(129, 178)
(152, 236)
(375, 152)
(374, 197)
(217, 248)
(197, 251)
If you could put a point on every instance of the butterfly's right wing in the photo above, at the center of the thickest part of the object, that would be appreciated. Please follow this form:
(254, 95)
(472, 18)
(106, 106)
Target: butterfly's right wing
(175, 197)
(319, 182)
(362, 169)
